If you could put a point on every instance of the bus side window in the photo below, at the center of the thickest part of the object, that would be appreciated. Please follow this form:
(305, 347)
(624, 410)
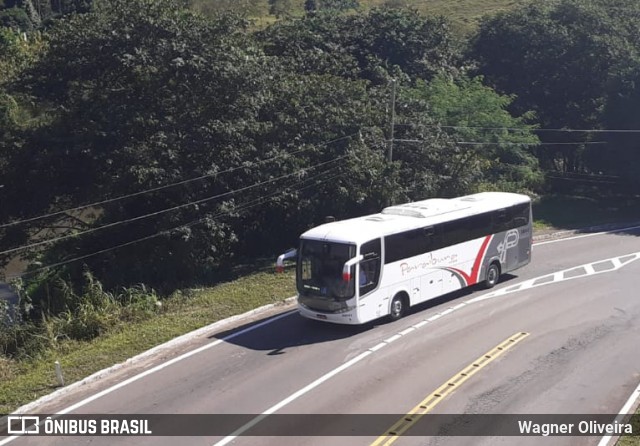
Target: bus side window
(520, 215)
(433, 238)
(479, 225)
(455, 232)
(369, 266)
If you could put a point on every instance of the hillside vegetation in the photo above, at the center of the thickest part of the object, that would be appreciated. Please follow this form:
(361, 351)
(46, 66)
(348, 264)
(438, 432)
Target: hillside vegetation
(145, 149)
(465, 15)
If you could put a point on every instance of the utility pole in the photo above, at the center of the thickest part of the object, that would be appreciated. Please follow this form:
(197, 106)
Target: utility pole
(393, 118)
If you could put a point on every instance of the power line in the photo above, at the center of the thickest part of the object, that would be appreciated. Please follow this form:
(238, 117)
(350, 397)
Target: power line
(251, 204)
(584, 174)
(516, 129)
(141, 217)
(246, 206)
(179, 183)
(481, 143)
(530, 144)
(583, 180)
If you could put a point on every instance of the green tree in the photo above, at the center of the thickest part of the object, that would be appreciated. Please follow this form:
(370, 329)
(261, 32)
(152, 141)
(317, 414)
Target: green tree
(251, 8)
(477, 118)
(15, 18)
(140, 94)
(374, 46)
(310, 5)
(622, 111)
(557, 58)
(281, 8)
(17, 53)
(71, 6)
(143, 94)
(339, 5)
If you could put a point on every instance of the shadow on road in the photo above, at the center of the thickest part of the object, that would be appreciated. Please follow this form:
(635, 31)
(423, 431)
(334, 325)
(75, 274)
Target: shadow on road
(289, 331)
(456, 297)
(294, 330)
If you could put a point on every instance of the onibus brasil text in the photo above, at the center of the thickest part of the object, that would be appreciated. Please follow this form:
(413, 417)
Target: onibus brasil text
(81, 426)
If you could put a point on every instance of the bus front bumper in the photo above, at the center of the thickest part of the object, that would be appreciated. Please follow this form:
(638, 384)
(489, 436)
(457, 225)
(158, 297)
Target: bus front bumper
(348, 318)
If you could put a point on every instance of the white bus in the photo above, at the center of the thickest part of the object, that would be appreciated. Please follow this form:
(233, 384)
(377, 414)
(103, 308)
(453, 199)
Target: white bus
(357, 270)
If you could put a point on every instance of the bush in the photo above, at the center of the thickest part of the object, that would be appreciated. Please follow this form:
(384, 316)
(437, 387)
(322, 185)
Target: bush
(7, 370)
(88, 321)
(19, 338)
(15, 18)
(138, 302)
(85, 315)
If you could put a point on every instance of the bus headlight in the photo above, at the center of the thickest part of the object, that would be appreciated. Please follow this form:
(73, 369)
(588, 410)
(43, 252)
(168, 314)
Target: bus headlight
(343, 310)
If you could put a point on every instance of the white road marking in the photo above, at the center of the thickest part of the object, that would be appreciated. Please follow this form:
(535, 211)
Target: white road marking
(160, 367)
(559, 276)
(407, 331)
(515, 288)
(447, 311)
(293, 397)
(635, 396)
(421, 324)
(377, 347)
(395, 337)
(339, 369)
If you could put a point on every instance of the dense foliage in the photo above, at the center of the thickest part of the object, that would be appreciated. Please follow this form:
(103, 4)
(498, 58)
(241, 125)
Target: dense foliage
(564, 60)
(244, 138)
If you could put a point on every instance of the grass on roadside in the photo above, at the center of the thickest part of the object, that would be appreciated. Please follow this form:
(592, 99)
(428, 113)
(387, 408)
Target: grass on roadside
(632, 440)
(25, 381)
(571, 212)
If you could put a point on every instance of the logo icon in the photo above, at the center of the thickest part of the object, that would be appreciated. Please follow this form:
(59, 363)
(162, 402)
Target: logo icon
(23, 425)
(510, 240)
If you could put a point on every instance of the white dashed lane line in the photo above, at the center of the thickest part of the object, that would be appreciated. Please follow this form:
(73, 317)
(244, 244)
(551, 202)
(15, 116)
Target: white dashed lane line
(575, 272)
(560, 276)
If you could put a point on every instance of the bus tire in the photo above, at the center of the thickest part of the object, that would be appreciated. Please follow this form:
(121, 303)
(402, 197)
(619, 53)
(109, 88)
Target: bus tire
(398, 308)
(493, 275)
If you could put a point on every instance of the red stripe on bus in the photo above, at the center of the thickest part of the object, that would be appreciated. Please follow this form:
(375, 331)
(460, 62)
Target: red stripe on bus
(476, 265)
(464, 275)
(473, 278)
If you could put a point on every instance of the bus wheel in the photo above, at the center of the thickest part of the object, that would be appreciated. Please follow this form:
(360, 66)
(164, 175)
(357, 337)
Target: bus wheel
(398, 308)
(493, 275)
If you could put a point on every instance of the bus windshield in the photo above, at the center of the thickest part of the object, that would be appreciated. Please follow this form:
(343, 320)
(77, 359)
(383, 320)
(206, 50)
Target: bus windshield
(319, 270)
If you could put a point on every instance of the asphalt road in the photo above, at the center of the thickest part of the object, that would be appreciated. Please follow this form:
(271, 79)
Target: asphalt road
(581, 357)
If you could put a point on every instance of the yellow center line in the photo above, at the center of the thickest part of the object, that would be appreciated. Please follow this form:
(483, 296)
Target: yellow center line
(426, 405)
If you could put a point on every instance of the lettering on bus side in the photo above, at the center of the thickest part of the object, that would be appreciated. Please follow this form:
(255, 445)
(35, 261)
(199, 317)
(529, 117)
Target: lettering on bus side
(432, 261)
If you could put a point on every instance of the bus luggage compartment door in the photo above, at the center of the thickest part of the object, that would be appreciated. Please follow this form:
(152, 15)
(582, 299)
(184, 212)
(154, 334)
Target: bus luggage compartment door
(431, 285)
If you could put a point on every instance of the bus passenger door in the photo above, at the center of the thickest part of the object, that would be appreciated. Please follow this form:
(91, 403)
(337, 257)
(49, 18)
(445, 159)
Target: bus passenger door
(372, 301)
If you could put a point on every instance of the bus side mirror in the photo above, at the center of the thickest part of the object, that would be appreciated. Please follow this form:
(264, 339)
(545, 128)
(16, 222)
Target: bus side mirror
(346, 269)
(282, 257)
